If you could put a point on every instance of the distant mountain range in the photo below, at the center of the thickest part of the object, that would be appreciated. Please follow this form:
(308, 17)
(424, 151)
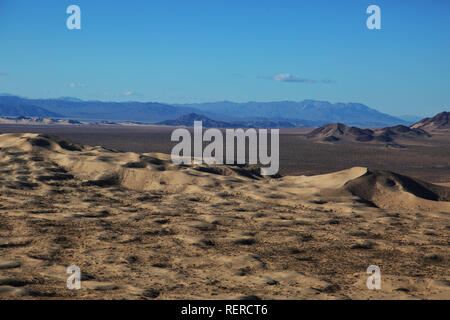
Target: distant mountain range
(12, 109)
(307, 110)
(286, 114)
(94, 110)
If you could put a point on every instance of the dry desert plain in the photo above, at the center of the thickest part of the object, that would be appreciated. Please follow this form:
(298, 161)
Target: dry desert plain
(140, 227)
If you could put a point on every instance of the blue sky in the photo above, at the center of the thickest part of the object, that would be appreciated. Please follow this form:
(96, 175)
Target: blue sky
(198, 51)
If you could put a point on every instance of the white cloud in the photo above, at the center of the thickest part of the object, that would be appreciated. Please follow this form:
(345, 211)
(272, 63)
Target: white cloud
(122, 94)
(77, 85)
(287, 77)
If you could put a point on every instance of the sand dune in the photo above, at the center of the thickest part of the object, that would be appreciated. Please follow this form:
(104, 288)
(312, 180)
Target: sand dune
(38, 121)
(389, 190)
(141, 227)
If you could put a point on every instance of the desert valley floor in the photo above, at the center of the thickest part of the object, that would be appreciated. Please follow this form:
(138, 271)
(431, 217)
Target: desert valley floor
(140, 227)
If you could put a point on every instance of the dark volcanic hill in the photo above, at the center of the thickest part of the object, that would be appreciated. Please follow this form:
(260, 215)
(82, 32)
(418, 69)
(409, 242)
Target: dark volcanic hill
(438, 122)
(188, 121)
(390, 133)
(338, 132)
